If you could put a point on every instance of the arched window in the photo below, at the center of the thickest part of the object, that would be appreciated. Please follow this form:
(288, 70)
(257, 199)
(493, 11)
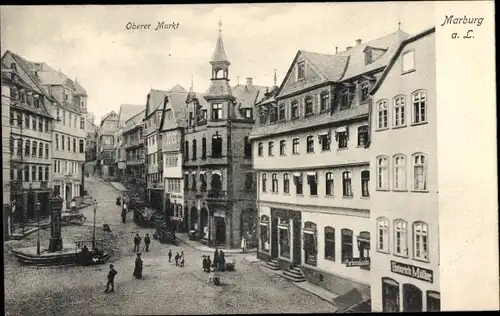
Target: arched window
(248, 147)
(260, 149)
(310, 243)
(330, 243)
(186, 150)
(193, 181)
(433, 301)
(33, 173)
(347, 246)
(270, 147)
(399, 180)
(346, 184)
(216, 145)
(390, 295)
(33, 149)
(365, 183)
(329, 184)
(382, 173)
(216, 182)
(383, 234)
(203, 148)
(264, 182)
(419, 105)
(412, 298)
(400, 238)
(203, 182)
(309, 105)
(382, 114)
(194, 149)
(286, 183)
(295, 146)
(399, 114)
(310, 144)
(40, 150)
(274, 184)
(419, 172)
(420, 241)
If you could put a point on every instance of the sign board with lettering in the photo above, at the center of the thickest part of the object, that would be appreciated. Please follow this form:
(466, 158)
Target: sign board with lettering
(412, 271)
(357, 262)
(122, 165)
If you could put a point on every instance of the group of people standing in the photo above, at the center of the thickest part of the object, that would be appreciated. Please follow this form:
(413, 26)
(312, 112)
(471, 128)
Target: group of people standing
(219, 263)
(137, 242)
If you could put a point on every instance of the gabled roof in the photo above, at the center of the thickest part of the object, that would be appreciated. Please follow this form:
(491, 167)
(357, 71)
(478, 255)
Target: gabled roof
(127, 111)
(396, 55)
(79, 89)
(177, 104)
(332, 67)
(219, 54)
(177, 88)
(246, 96)
(106, 116)
(155, 102)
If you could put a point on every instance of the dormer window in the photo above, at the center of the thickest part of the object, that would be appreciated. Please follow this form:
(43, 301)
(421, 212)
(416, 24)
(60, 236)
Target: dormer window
(365, 87)
(14, 67)
(281, 112)
(262, 116)
(248, 114)
(273, 115)
(309, 105)
(368, 56)
(301, 70)
(346, 97)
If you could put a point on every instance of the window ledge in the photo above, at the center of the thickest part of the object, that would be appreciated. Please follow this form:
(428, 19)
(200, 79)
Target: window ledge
(329, 196)
(381, 129)
(365, 197)
(408, 71)
(295, 154)
(401, 255)
(300, 195)
(382, 190)
(419, 123)
(400, 190)
(313, 196)
(275, 193)
(282, 155)
(399, 126)
(361, 146)
(285, 193)
(383, 251)
(310, 152)
(420, 191)
(421, 260)
(342, 148)
(326, 150)
(349, 197)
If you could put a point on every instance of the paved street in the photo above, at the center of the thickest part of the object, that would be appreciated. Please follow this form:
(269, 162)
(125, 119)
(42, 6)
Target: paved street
(165, 289)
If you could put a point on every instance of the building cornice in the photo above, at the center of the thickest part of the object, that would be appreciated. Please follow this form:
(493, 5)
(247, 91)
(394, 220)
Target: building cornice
(309, 208)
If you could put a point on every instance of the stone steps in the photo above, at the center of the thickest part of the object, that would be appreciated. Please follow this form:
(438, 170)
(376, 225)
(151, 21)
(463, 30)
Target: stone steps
(294, 274)
(273, 264)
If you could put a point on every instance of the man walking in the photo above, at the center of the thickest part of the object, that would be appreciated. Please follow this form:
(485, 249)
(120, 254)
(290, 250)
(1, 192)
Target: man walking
(170, 255)
(111, 279)
(147, 241)
(137, 242)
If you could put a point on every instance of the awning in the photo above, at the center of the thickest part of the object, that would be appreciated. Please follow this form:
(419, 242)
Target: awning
(364, 236)
(311, 174)
(341, 129)
(297, 174)
(217, 172)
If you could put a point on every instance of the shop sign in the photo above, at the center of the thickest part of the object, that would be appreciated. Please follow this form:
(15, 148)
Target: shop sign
(412, 271)
(122, 165)
(357, 262)
(219, 214)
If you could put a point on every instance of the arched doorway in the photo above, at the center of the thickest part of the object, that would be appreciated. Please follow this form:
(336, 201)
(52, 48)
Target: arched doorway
(248, 222)
(412, 298)
(220, 230)
(204, 223)
(194, 218)
(67, 196)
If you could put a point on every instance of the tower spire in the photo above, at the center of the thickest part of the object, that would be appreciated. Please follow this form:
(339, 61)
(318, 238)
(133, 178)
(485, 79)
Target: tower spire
(220, 28)
(192, 86)
(275, 78)
(399, 25)
(219, 53)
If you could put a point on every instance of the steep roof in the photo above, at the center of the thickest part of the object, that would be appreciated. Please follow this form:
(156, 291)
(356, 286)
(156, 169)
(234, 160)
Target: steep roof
(247, 96)
(107, 115)
(219, 54)
(79, 89)
(177, 88)
(127, 111)
(396, 55)
(156, 98)
(332, 67)
(177, 103)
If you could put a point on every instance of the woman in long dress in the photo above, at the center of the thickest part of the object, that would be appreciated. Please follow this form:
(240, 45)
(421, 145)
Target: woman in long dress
(138, 267)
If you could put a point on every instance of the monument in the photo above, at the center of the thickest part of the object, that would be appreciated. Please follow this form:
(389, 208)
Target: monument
(55, 205)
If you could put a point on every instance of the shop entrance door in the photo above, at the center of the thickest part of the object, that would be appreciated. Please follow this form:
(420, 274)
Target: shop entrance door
(412, 298)
(220, 230)
(390, 296)
(274, 237)
(297, 251)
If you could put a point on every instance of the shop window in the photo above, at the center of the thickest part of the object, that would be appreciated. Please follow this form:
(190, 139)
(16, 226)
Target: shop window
(400, 238)
(433, 301)
(420, 241)
(412, 298)
(264, 233)
(383, 234)
(274, 183)
(329, 184)
(346, 238)
(297, 178)
(390, 295)
(330, 243)
(346, 184)
(310, 243)
(363, 241)
(284, 238)
(286, 183)
(312, 181)
(260, 149)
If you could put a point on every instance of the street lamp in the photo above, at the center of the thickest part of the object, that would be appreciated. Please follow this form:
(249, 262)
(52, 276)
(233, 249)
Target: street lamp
(94, 204)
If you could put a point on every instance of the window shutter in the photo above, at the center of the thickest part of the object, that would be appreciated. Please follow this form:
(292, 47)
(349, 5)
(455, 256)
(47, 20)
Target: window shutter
(347, 131)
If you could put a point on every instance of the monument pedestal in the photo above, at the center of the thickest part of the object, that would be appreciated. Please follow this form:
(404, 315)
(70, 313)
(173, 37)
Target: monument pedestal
(56, 243)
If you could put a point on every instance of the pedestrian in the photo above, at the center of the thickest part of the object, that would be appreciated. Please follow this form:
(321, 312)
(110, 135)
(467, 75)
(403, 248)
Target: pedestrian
(209, 263)
(182, 259)
(243, 244)
(216, 258)
(177, 259)
(138, 267)
(170, 255)
(137, 242)
(222, 261)
(147, 241)
(204, 263)
(111, 279)
(124, 216)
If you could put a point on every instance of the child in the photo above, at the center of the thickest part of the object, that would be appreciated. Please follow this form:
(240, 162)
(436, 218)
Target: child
(177, 257)
(182, 258)
(170, 255)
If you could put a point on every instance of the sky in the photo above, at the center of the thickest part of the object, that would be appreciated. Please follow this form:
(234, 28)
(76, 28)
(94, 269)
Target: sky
(119, 66)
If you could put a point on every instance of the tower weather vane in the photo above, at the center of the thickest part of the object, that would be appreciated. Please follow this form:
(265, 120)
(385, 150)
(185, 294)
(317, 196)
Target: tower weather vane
(220, 26)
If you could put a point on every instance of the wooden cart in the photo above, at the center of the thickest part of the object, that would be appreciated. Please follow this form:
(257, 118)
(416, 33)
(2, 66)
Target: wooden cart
(73, 219)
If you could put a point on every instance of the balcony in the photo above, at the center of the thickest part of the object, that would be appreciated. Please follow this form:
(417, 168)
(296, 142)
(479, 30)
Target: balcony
(216, 195)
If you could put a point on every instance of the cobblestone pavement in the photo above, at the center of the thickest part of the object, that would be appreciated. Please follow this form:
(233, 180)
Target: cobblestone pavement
(165, 288)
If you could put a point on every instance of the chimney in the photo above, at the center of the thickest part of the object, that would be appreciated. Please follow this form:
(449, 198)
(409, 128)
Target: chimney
(348, 47)
(358, 41)
(336, 49)
(249, 82)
